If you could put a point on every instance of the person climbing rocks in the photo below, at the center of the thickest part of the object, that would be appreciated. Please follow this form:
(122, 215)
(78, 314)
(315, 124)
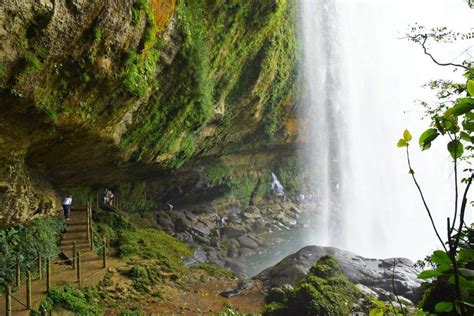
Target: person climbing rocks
(67, 206)
(169, 206)
(222, 221)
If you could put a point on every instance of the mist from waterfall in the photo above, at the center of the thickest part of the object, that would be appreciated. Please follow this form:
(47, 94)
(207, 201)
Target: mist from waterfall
(359, 83)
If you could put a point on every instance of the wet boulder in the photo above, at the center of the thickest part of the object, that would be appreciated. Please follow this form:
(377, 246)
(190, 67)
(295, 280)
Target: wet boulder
(370, 272)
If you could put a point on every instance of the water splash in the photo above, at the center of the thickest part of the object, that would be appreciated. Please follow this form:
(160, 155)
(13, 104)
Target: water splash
(359, 82)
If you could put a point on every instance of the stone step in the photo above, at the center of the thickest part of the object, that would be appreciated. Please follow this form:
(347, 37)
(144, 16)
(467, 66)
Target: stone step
(74, 236)
(78, 247)
(78, 242)
(76, 223)
(76, 230)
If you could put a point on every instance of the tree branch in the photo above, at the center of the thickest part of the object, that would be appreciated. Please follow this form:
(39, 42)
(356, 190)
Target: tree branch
(424, 202)
(425, 50)
(456, 194)
(395, 290)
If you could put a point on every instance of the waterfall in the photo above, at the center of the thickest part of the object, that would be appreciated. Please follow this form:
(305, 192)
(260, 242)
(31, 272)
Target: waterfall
(359, 82)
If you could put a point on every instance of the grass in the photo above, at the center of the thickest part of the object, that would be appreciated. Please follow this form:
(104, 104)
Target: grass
(217, 171)
(81, 302)
(154, 244)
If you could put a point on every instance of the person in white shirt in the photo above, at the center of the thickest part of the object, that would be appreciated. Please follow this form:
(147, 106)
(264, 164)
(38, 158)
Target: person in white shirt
(67, 206)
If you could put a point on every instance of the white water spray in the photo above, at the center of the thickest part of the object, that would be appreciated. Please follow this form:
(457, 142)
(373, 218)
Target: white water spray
(359, 83)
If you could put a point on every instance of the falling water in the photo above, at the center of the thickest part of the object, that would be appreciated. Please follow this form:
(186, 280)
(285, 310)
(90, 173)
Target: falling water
(359, 83)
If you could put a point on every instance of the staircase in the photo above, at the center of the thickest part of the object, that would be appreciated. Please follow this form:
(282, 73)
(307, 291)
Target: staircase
(78, 230)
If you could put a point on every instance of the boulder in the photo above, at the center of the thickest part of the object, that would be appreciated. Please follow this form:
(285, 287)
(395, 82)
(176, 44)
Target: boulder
(191, 216)
(259, 227)
(245, 241)
(295, 210)
(369, 272)
(165, 222)
(201, 229)
(275, 294)
(233, 231)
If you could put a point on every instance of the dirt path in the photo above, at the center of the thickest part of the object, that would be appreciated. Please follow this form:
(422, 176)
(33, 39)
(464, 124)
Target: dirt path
(201, 299)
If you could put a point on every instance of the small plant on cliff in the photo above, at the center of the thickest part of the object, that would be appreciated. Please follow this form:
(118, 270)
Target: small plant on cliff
(452, 119)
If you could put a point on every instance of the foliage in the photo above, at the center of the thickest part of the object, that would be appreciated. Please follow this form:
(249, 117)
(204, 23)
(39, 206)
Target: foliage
(217, 171)
(141, 66)
(243, 186)
(144, 277)
(452, 118)
(80, 195)
(109, 225)
(27, 241)
(290, 173)
(81, 302)
(153, 244)
(324, 291)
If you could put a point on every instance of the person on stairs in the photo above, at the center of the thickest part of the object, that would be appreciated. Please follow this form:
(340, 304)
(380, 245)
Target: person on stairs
(67, 206)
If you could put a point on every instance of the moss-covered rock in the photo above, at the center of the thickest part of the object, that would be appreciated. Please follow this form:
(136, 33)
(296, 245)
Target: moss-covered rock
(154, 244)
(325, 291)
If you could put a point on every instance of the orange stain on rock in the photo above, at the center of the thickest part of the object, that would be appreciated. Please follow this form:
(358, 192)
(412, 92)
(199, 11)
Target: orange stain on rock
(163, 11)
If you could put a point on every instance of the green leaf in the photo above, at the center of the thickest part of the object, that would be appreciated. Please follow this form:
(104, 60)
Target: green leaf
(440, 258)
(407, 136)
(465, 137)
(466, 255)
(468, 125)
(427, 137)
(402, 143)
(444, 307)
(470, 87)
(428, 274)
(462, 106)
(443, 268)
(455, 148)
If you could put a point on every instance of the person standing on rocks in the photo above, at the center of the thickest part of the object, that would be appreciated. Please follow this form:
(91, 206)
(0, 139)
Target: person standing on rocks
(67, 206)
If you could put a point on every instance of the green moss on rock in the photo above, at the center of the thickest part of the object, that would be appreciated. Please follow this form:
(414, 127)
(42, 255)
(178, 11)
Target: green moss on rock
(325, 291)
(153, 244)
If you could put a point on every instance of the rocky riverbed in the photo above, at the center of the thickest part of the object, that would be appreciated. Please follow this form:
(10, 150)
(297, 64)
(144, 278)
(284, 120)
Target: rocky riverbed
(246, 232)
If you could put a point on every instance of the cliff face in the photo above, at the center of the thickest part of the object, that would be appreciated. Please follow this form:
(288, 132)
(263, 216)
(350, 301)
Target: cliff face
(116, 91)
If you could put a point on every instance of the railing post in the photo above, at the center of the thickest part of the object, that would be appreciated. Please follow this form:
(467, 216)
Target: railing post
(18, 273)
(74, 254)
(48, 274)
(88, 220)
(91, 234)
(28, 290)
(40, 266)
(104, 252)
(78, 265)
(8, 301)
